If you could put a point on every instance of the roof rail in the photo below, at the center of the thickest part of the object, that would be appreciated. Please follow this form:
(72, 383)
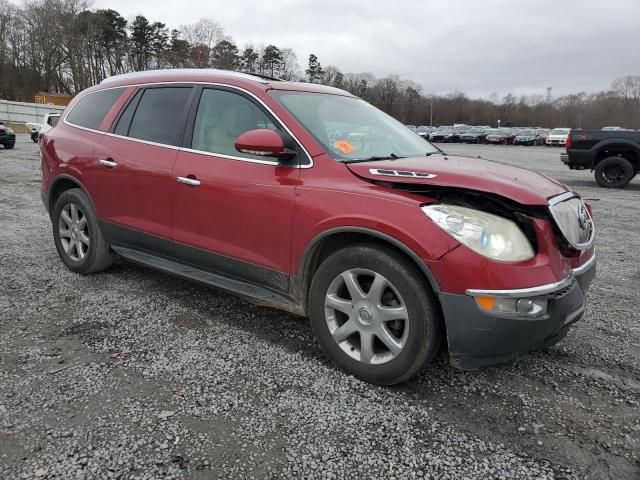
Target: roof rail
(260, 75)
(192, 71)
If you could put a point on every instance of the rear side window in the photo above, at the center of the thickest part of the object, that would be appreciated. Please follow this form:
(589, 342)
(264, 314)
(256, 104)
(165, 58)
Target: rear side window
(159, 116)
(122, 127)
(91, 109)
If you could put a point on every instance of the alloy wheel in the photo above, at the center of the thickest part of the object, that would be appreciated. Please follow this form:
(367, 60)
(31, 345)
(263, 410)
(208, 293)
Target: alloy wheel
(74, 232)
(366, 316)
(613, 174)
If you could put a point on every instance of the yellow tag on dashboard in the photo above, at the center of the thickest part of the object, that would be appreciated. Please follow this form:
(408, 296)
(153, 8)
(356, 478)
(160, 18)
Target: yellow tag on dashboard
(344, 146)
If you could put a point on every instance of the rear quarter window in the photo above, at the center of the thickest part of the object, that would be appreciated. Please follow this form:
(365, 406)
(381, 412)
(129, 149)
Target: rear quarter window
(91, 109)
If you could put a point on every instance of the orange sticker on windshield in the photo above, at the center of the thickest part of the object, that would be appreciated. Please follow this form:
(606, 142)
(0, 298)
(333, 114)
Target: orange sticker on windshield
(344, 146)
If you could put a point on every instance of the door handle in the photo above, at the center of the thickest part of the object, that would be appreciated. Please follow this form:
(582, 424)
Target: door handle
(109, 163)
(188, 181)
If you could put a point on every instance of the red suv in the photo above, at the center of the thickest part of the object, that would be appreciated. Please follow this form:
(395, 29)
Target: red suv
(308, 199)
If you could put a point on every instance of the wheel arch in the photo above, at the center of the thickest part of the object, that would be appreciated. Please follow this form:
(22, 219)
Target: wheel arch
(617, 148)
(333, 239)
(61, 184)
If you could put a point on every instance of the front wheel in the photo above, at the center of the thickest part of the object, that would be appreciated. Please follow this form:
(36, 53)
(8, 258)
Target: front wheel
(34, 137)
(77, 235)
(373, 315)
(614, 172)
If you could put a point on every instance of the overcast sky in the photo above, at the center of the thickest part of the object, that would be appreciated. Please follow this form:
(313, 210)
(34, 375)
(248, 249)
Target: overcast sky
(477, 46)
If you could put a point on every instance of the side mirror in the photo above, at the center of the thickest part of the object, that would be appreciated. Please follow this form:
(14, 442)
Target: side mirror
(263, 142)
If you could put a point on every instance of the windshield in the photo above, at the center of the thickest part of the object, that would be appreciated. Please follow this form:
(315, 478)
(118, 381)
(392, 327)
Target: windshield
(526, 133)
(351, 129)
(560, 131)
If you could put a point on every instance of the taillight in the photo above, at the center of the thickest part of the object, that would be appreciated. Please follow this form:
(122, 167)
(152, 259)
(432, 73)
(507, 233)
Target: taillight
(568, 143)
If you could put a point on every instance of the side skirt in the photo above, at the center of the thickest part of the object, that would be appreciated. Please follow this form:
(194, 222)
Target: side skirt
(247, 291)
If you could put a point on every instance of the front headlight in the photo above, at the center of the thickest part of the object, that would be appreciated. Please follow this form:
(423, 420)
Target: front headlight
(487, 234)
(10, 131)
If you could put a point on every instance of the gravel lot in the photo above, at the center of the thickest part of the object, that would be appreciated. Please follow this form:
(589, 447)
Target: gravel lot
(216, 387)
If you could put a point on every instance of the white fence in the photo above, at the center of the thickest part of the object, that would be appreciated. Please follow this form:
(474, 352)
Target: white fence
(21, 112)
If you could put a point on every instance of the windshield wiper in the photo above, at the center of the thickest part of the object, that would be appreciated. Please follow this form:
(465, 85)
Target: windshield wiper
(391, 156)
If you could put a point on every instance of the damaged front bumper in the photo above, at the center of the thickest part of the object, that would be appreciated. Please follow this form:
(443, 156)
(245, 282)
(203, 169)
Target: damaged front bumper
(478, 337)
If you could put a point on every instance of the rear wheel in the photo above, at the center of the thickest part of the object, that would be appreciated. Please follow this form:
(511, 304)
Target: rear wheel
(614, 172)
(373, 315)
(77, 235)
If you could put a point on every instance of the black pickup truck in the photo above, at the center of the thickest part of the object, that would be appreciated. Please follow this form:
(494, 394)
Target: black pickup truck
(613, 155)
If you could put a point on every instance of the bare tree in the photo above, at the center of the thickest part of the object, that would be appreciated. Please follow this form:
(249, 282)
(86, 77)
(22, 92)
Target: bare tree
(62, 46)
(628, 91)
(203, 35)
(290, 69)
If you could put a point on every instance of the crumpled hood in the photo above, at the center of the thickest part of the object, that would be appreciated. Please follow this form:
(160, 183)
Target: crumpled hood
(518, 184)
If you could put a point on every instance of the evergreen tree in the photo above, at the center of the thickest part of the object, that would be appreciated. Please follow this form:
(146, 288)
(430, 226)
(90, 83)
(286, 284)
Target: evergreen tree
(314, 72)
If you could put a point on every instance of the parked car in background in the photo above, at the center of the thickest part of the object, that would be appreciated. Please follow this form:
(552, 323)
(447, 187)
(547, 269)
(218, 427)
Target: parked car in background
(424, 131)
(473, 135)
(49, 121)
(7, 136)
(557, 137)
(613, 155)
(412, 128)
(528, 137)
(443, 136)
(609, 129)
(500, 136)
(543, 133)
(492, 259)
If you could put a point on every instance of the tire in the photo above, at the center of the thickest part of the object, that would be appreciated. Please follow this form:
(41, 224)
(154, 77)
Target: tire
(614, 172)
(415, 339)
(34, 137)
(79, 256)
(9, 146)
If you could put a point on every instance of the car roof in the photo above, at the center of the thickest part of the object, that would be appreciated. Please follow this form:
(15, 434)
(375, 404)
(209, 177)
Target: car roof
(212, 75)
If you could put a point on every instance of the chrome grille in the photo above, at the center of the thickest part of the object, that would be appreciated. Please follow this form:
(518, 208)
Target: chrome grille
(573, 220)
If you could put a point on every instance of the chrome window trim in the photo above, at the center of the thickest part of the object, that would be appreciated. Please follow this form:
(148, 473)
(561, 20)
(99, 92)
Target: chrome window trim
(563, 197)
(241, 159)
(190, 150)
(539, 290)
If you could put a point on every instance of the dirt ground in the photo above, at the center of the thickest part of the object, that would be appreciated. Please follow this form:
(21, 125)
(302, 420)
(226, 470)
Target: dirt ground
(134, 374)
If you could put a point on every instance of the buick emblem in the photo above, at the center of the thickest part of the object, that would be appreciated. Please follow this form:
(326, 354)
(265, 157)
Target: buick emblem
(365, 315)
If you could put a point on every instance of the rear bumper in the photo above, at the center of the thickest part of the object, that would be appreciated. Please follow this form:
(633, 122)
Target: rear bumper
(478, 338)
(577, 159)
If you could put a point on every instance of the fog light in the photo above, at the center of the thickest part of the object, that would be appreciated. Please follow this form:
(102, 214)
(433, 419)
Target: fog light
(525, 307)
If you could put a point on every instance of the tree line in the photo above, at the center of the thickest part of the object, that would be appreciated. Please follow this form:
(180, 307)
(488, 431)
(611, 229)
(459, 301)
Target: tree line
(61, 46)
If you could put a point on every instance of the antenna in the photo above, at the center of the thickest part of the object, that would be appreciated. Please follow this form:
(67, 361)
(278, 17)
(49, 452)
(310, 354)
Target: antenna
(549, 94)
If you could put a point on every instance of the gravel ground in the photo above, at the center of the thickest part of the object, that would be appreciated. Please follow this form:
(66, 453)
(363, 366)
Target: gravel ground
(134, 374)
